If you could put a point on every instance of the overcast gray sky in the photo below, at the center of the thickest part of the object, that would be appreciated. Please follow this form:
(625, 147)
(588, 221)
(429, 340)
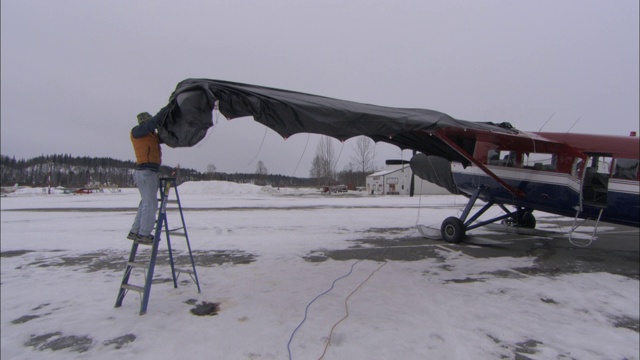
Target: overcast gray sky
(75, 73)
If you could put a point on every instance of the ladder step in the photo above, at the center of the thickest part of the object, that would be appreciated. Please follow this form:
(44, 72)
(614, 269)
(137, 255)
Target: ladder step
(137, 288)
(176, 232)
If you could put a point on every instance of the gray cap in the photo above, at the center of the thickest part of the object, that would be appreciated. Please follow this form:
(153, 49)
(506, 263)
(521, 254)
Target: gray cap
(142, 117)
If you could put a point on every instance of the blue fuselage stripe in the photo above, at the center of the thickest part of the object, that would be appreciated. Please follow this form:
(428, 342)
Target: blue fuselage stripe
(558, 196)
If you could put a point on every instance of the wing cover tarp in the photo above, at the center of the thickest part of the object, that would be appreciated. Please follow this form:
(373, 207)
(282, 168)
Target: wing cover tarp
(435, 170)
(289, 112)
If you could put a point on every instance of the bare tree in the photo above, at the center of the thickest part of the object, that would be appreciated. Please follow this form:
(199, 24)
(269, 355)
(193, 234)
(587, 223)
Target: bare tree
(363, 159)
(315, 167)
(261, 172)
(261, 169)
(211, 170)
(323, 166)
(364, 154)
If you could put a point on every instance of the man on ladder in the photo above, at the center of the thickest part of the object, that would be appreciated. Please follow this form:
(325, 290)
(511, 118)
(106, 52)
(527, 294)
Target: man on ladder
(146, 145)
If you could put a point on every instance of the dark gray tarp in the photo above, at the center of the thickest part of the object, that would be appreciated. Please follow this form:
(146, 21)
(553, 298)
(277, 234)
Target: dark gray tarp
(288, 113)
(434, 169)
(189, 120)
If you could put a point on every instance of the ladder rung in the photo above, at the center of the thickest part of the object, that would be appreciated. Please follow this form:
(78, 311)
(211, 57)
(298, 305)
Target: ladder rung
(132, 287)
(184, 271)
(177, 233)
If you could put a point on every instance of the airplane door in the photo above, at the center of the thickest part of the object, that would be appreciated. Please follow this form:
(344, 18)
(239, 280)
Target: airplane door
(595, 182)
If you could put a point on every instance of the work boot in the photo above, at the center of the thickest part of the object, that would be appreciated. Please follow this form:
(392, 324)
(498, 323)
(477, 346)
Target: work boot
(145, 239)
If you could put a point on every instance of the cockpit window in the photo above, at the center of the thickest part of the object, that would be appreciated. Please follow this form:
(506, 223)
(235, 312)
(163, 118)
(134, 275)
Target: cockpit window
(626, 169)
(502, 158)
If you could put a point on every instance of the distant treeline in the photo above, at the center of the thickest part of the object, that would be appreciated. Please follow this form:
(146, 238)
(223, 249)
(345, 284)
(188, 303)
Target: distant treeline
(76, 172)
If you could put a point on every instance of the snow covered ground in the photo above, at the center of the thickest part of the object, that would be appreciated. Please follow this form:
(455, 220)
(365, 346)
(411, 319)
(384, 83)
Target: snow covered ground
(262, 254)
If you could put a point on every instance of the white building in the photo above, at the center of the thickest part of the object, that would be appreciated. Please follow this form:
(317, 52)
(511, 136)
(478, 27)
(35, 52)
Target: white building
(395, 179)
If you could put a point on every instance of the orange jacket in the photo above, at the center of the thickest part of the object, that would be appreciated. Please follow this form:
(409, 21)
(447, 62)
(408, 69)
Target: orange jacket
(148, 152)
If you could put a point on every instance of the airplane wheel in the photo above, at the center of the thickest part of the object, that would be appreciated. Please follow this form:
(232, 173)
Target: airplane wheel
(528, 221)
(452, 230)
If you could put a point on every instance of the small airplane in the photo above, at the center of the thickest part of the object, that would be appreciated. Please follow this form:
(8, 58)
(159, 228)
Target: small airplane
(575, 175)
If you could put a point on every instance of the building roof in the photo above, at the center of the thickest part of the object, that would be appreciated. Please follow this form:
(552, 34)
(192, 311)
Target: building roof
(390, 169)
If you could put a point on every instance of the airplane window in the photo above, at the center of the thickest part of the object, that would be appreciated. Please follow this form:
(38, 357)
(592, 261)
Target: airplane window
(626, 169)
(508, 158)
(540, 161)
(604, 164)
(502, 158)
(577, 166)
(493, 157)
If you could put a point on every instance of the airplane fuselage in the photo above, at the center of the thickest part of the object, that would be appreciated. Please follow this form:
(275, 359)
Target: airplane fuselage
(554, 192)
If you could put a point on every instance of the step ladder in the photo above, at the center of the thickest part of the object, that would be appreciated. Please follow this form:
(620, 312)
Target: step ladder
(148, 265)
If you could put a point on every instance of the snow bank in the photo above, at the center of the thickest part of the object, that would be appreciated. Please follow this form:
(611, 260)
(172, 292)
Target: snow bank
(32, 191)
(219, 188)
(232, 188)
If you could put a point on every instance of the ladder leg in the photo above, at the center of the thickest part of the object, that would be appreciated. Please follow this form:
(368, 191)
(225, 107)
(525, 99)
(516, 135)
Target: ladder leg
(186, 235)
(152, 263)
(167, 183)
(171, 263)
(127, 273)
(162, 219)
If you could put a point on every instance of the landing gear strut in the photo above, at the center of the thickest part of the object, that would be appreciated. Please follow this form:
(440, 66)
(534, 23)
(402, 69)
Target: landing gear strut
(454, 229)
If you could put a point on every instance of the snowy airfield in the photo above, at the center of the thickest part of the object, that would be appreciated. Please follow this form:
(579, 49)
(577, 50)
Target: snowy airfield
(305, 276)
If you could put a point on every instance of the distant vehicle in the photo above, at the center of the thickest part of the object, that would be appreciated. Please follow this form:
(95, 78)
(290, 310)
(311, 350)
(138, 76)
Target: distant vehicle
(88, 190)
(339, 189)
(335, 189)
(83, 191)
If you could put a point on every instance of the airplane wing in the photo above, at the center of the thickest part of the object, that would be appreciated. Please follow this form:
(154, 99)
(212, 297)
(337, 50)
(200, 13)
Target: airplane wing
(289, 112)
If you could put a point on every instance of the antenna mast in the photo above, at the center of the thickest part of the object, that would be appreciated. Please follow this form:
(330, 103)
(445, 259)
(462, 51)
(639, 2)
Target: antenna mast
(574, 124)
(543, 125)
